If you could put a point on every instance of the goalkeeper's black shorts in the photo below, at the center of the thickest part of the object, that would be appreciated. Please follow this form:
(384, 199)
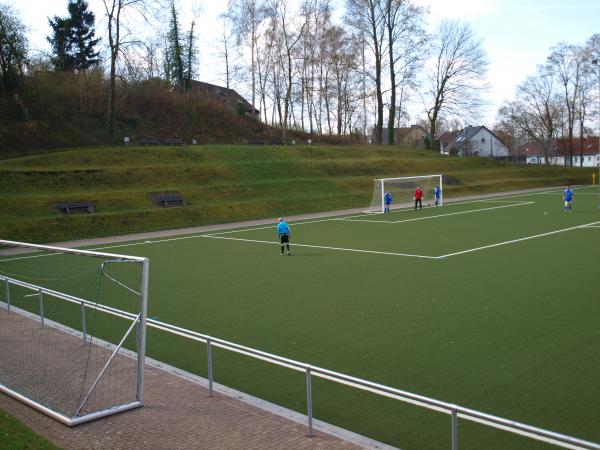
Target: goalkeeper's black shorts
(285, 238)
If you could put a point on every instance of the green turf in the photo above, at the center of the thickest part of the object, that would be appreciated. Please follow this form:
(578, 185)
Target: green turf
(16, 436)
(510, 330)
(224, 183)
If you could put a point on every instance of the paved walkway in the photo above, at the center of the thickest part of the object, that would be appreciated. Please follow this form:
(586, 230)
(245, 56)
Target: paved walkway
(178, 414)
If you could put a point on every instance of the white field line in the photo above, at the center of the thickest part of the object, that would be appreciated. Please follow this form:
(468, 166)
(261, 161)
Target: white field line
(439, 215)
(535, 236)
(575, 192)
(323, 247)
(593, 226)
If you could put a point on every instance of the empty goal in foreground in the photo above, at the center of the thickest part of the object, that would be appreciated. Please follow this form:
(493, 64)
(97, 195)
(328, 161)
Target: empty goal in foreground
(72, 330)
(402, 190)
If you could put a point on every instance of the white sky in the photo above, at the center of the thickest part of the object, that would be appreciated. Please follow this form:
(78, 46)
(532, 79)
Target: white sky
(517, 34)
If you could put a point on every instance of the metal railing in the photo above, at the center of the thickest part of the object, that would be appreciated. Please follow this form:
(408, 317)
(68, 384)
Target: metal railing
(455, 412)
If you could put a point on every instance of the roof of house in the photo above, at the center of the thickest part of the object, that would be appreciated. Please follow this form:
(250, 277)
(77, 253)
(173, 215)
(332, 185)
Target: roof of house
(447, 136)
(590, 147)
(459, 138)
(226, 94)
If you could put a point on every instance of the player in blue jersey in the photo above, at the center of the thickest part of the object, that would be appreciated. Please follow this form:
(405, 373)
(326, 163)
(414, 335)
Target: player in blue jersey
(283, 231)
(437, 192)
(387, 199)
(568, 198)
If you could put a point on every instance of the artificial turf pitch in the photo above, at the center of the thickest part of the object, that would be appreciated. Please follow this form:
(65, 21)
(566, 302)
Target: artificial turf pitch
(489, 304)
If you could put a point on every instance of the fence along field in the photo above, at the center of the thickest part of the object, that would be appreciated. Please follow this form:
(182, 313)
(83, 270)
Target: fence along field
(482, 317)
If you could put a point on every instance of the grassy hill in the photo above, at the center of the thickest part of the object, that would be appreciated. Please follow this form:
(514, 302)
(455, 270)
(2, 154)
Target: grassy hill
(224, 183)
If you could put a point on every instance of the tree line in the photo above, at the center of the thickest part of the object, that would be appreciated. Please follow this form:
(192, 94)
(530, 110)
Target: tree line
(557, 103)
(300, 68)
(305, 68)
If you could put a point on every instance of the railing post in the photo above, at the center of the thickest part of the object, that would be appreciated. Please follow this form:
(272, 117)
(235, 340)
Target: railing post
(454, 429)
(41, 306)
(309, 409)
(8, 294)
(209, 359)
(83, 332)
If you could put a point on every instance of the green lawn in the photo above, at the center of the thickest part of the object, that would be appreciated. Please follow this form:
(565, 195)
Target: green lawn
(16, 436)
(224, 183)
(453, 303)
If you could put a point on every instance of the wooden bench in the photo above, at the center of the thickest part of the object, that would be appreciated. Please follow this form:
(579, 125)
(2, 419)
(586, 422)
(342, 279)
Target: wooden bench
(149, 141)
(175, 141)
(276, 141)
(169, 200)
(255, 141)
(67, 208)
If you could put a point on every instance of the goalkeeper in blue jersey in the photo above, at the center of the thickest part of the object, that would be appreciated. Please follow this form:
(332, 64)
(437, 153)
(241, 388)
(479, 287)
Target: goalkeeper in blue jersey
(387, 200)
(568, 198)
(437, 192)
(283, 231)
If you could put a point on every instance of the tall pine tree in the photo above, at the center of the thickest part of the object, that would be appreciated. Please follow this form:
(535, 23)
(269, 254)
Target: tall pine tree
(73, 38)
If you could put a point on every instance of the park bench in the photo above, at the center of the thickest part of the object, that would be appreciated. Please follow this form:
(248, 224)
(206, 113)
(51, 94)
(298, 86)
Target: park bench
(175, 141)
(149, 141)
(168, 200)
(276, 141)
(255, 141)
(68, 208)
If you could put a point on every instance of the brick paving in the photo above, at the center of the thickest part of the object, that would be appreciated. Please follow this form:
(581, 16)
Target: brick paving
(178, 413)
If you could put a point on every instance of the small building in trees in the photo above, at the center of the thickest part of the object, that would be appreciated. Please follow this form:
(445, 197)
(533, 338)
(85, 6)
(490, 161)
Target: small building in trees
(227, 96)
(413, 136)
(473, 141)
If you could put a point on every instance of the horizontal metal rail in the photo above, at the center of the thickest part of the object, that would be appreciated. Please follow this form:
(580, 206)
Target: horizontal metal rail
(451, 409)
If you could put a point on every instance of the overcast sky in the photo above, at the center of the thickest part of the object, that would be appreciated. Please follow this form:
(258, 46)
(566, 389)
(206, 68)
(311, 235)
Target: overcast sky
(517, 34)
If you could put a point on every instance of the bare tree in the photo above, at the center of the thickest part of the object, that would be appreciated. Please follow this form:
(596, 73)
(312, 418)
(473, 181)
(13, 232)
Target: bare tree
(566, 63)
(406, 45)
(118, 38)
(534, 112)
(247, 16)
(368, 18)
(228, 52)
(456, 80)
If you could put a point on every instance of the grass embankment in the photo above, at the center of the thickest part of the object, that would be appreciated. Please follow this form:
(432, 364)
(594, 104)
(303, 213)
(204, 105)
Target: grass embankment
(223, 183)
(16, 436)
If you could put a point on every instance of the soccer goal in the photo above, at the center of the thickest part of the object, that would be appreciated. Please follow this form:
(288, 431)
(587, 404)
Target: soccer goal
(72, 330)
(402, 190)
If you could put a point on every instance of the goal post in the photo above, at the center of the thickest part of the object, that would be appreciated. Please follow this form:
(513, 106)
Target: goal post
(402, 190)
(72, 330)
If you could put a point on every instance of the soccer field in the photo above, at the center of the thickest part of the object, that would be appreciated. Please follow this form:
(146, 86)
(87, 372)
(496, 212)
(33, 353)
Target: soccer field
(491, 304)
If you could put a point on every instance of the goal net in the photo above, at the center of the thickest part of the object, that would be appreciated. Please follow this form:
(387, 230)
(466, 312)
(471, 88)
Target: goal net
(402, 191)
(72, 330)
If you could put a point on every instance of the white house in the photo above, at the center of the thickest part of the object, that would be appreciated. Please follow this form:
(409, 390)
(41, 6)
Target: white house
(473, 141)
(558, 155)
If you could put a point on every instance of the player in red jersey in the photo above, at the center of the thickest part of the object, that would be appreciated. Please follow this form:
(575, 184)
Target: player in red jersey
(418, 197)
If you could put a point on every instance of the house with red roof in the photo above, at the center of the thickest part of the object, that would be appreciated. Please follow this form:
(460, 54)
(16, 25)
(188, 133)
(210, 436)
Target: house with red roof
(585, 153)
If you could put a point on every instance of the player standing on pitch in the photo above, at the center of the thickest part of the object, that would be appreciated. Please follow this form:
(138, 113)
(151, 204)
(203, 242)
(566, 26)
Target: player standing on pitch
(436, 195)
(418, 197)
(387, 199)
(568, 198)
(283, 231)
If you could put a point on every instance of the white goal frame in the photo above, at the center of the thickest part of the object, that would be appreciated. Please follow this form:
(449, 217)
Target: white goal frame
(137, 321)
(382, 182)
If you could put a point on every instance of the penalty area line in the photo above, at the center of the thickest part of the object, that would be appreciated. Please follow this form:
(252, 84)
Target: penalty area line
(513, 241)
(354, 250)
(439, 215)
